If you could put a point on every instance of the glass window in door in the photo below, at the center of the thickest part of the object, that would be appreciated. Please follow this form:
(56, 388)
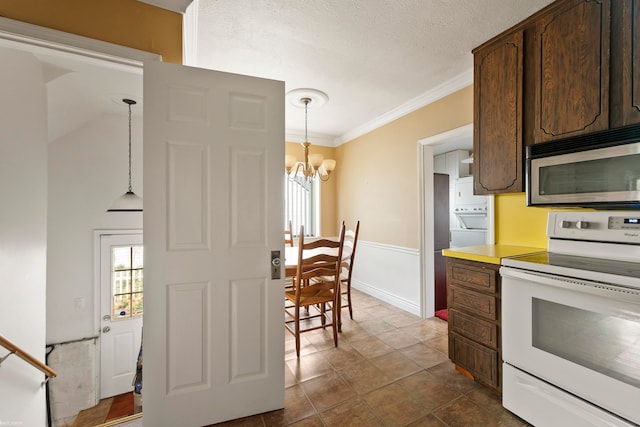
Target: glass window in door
(126, 281)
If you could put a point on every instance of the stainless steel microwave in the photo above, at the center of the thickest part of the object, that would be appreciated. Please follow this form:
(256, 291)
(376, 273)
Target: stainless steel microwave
(599, 170)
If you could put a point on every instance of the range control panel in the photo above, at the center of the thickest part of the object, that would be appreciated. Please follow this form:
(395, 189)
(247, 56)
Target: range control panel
(624, 223)
(601, 226)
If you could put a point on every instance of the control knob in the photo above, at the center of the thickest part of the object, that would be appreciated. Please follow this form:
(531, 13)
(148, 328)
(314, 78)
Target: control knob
(582, 225)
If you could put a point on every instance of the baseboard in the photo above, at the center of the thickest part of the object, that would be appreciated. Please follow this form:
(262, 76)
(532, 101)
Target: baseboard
(387, 297)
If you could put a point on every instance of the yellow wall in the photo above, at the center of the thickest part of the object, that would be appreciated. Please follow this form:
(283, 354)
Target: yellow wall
(517, 224)
(377, 173)
(124, 22)
(328, 219)
(377, 180)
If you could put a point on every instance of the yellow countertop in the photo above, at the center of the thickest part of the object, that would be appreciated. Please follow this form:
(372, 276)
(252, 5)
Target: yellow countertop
(491, 254)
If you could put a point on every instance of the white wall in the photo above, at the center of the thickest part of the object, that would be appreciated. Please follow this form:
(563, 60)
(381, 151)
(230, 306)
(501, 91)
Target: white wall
(88, 170)
(23, 234)
(389, 273)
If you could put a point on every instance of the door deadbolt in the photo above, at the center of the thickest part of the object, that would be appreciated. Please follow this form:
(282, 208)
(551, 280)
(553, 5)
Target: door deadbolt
(276, 264)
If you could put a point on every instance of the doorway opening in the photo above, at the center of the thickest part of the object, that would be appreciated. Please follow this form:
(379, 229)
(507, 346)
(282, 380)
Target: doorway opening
(427, 148)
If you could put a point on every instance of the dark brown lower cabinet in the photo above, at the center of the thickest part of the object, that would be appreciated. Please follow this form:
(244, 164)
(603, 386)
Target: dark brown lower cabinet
(474, 320)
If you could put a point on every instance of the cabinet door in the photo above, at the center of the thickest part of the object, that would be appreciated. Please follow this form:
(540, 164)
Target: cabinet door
(497, 136)
(625, 63)
(571, 70)
(482, 362)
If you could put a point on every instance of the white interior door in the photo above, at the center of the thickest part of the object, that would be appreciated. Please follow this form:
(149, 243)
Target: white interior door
(213, 212)
(121, 289)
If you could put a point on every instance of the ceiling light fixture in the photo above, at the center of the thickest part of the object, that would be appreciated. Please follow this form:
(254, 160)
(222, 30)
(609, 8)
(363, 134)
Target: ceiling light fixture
(129, 201)
(314, 166)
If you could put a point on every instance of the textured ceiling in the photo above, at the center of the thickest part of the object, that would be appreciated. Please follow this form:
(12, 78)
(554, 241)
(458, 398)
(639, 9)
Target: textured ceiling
(371, 57)
(375, 59)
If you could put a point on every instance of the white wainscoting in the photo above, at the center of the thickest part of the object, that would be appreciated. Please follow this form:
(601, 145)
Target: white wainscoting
(389, 273)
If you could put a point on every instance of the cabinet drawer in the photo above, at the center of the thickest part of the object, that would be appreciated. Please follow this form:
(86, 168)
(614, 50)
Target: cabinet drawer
(478, 330)
(473, 302)
(473, 275)
(481, 361)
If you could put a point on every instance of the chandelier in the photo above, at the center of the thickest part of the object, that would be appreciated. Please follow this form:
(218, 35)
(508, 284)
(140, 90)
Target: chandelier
(314, 166)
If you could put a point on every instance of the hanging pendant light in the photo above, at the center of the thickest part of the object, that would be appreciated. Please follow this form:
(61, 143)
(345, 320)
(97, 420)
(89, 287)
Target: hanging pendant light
(129, 201)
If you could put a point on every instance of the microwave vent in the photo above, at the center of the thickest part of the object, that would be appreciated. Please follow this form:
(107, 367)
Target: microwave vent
(601, 139)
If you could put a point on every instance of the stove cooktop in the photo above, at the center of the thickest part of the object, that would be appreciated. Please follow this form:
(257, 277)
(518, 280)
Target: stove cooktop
(595, 269)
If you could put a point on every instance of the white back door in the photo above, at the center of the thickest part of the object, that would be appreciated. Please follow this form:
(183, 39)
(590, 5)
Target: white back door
(121, 290)
(213, 212)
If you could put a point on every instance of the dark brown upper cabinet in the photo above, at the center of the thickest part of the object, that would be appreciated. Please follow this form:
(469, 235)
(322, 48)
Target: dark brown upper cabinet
(497, 139)
(571, 70)
(625, 63)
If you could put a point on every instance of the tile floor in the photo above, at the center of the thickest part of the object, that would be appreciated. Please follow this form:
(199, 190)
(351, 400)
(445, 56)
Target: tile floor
(390, 369)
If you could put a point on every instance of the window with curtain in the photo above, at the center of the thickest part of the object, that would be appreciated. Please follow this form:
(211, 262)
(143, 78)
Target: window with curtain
(301, 205)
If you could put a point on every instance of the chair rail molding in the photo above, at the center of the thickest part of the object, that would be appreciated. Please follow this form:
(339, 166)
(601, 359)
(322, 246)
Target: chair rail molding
(389, 273)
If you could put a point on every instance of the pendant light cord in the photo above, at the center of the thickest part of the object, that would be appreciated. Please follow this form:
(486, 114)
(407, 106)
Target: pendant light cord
(130, 189)
(306, 104)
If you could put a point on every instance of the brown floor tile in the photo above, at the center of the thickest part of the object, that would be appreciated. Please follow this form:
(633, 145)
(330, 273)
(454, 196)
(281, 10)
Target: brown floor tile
(424, 330)
(376, 326)
(313, 421)
(395, 406)
(463, 412)
(397, 338)
(490, 402)
(424, 356)
(354, 413)
(352, 331)
(321, 339)
(344, 357)
(296, 407)
(440, 343)
(429, 390)
(395, 365)
(289, 377)
(371, 347)
(382, 309)
(365, 377)
(327, 391)
(401, 319)
(309, 366)
(429, 421)
(447, 373)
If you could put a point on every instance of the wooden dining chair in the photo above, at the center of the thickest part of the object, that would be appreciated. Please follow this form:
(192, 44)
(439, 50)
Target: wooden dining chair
(288, 235)
(346, 267)
(315, 288)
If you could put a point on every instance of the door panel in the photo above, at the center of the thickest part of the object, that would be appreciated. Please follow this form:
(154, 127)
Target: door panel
(213, 173)
(119, 337)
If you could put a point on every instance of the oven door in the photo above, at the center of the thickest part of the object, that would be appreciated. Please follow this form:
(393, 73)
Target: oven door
(581, 336)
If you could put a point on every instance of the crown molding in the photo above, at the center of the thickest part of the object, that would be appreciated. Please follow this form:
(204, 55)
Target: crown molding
(178, 6)
(314, 138)
(38, 38)
(454, 84)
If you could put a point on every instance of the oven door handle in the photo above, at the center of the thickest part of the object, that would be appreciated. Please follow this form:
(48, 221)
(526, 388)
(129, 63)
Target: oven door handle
(605, 290)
